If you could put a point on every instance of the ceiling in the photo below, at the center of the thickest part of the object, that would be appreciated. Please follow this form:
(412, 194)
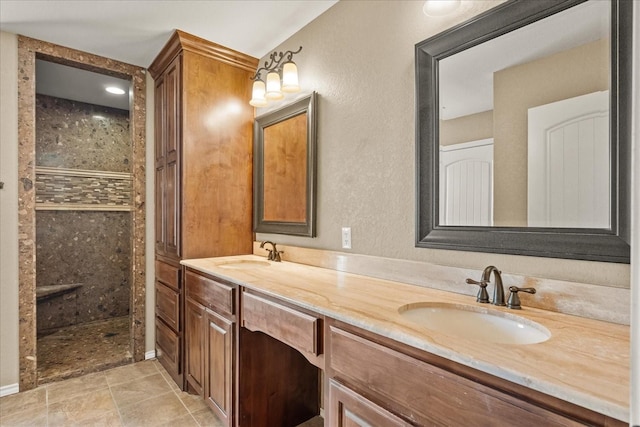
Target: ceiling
(134, 31)
(66, 82)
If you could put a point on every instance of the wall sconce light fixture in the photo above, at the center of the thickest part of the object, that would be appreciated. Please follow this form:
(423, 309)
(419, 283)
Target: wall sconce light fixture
(280, 64)
(440, 7)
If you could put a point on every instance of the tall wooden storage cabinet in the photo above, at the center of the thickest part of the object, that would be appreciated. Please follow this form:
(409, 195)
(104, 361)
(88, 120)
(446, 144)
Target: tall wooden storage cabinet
(203, 171)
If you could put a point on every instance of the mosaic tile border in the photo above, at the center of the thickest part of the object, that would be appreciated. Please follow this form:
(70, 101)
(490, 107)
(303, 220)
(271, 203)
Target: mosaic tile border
(80, 189)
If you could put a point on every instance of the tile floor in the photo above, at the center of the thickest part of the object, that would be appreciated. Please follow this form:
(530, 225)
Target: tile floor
(135, 395)
(140, 394)
(77, 350)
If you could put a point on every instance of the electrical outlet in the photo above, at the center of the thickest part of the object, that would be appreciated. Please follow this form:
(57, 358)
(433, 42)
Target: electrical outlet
(346, 237)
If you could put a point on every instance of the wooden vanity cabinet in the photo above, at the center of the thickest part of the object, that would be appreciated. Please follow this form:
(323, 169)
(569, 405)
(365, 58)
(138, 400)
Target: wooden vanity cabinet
(203, 165)
(261, 361)
(373, 377)
(210, 331)
(168, 324)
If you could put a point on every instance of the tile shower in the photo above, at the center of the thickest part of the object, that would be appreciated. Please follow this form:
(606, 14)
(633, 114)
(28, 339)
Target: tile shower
(83, 237)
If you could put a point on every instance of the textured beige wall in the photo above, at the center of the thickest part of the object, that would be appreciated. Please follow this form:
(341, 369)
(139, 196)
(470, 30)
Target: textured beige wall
(567, 74)
(466, 128)
(9, 369)
(359, 57)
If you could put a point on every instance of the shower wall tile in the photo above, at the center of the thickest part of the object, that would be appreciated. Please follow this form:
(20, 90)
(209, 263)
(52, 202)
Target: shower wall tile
(92, 248)
(83, 154)
(76, 135)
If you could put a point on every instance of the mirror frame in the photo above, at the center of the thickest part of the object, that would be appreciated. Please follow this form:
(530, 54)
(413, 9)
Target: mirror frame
(308, 227)
(610, 245)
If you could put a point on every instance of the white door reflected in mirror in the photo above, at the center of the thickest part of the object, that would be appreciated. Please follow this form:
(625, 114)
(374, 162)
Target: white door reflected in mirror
(466, 183)
(569, 157)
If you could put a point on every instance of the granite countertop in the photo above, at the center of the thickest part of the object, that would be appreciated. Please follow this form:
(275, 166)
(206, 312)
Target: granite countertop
(585, 362)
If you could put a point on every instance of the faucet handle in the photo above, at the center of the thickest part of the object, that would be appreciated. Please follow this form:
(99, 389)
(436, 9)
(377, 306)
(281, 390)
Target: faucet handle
(276, 256)
(514, 300)
(483, 295)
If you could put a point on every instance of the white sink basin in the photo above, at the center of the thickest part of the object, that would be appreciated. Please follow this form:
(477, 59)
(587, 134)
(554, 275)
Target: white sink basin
(244, 264)
(475, 323)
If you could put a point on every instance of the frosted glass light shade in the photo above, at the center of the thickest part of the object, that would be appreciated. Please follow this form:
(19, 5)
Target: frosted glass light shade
(273, 87)
(258, 96)
(290, 77)
(440, 7)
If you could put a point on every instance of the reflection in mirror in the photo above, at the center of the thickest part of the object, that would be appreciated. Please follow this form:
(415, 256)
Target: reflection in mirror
(284, 169)
(523, 131)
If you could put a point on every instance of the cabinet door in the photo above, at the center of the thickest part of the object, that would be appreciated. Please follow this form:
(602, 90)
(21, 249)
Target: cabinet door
(160, 163)
(167, 159)
(194, 336)
(349, 409)
(219, 366)
(172, 112)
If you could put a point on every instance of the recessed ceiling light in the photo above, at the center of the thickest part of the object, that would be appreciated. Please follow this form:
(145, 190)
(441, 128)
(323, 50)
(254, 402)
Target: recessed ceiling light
(115, 90)
(440, 7)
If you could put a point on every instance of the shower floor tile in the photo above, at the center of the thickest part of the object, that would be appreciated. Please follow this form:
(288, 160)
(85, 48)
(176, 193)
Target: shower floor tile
(81, 349)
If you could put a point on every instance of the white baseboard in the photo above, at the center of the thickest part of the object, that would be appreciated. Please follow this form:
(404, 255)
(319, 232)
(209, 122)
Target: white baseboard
(150, 355)
(6, 390)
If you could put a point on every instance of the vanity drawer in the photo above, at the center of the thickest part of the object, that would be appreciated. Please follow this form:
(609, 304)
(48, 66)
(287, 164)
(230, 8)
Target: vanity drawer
(213, 294)
(424, 393)
(299, 330)
(168, 305)
(168, 349)
(168, 274)
(348, 408)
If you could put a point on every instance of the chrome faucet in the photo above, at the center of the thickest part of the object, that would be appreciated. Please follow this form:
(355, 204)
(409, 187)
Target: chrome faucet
(498, 289)
(274, 254)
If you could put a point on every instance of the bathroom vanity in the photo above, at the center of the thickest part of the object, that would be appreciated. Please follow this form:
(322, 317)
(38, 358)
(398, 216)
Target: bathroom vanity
(270, 343)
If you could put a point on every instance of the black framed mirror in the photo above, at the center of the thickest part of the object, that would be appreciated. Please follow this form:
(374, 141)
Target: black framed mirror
(461, 204)
(284, 169)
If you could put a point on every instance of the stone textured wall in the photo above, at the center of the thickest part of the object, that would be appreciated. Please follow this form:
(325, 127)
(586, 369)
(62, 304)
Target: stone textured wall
(88, 247)
(75, 135)
(92, 248)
